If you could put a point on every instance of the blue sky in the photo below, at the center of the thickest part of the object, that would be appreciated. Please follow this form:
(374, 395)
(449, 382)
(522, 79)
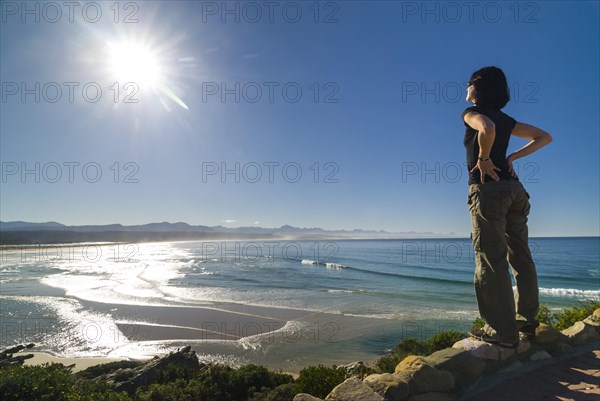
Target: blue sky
(375, 130)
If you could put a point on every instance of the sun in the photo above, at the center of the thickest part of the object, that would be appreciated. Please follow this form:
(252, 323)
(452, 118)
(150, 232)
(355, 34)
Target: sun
(143, 67)
(134, 62)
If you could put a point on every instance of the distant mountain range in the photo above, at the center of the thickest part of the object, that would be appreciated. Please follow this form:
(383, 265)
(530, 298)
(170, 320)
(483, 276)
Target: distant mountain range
(53, 232)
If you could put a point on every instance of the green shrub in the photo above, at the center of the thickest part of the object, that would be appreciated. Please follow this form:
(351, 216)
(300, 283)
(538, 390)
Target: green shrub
(51, 383)
(216, 383)
(444, 339)
(560, 320)
(178, 390)
(283, 392)
(319, 380)
(545, 316)
(411, 346)
(478, 323)
(570, 316)
(388, 363)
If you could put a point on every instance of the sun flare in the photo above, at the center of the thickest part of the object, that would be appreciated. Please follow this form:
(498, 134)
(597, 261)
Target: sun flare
(143, 69)
(132, 62)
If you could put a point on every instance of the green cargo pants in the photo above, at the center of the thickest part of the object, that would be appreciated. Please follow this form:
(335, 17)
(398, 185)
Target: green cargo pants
(499, 212)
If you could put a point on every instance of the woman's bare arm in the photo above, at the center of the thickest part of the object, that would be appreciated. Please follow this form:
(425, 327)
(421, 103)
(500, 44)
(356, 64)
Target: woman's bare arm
(486, 134)
(538, 138)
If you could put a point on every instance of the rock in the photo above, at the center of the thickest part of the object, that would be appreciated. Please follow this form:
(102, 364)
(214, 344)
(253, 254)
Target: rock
(389, 386)
(130, 380)
(581, 333)
(590, 321)
(353, 390)
(540, 356)
(514, 366)
(433, 396)
(465, 367)
(481, 349)
(306, 397)
(523, 347)
(411, 363)
(354, 369)
(545, 334)
(596, 315)
(7, 357)
(562, 348)
(429, 379)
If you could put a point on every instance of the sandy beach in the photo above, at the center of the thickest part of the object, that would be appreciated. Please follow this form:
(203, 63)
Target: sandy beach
(40, 358)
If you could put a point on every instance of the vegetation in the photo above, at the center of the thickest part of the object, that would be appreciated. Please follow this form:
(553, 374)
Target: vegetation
(217, 383)
(411, 346)
(51, 383)
(319, 380)
(567, 317)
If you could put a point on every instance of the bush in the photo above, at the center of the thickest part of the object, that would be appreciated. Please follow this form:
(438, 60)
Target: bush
(283, 392)
(216, 383)
(444, 339)
(545, 316)
(319, 380)
(560, 320)
(178, 390)
(411, 346)
(570, 316)
(388, 363)
(51, 383)
(478, 323)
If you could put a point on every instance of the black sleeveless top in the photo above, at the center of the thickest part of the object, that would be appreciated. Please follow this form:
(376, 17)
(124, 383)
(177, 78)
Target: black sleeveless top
(504, 126)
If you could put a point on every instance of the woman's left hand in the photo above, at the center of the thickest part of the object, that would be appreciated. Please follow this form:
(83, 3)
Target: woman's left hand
(486, 167)
(511, 170)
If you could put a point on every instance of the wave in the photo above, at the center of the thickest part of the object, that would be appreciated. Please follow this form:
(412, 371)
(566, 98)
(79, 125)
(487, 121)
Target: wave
(367, 271)
(416, 278)
(342, 291)
(329, 265)
(571, 292)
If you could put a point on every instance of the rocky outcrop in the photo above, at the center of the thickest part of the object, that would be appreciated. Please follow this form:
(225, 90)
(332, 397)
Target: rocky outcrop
(353, 389)
(465, 367)
(131, 379)
(546, 334)
(388, 385)
(7, 356)
(448, 373)
(357, 369)
(581, 333)
(306, 397)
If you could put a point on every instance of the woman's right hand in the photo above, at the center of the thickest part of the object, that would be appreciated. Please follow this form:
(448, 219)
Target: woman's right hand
(511, 170)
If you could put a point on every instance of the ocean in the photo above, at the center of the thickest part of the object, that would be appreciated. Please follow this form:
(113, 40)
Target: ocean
(285, 304)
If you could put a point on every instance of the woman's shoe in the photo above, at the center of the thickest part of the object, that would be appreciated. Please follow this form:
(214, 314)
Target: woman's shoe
(481, 335)
(527, 332)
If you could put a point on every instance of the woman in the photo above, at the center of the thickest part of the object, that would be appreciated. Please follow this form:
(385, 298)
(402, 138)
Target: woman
(499, 205)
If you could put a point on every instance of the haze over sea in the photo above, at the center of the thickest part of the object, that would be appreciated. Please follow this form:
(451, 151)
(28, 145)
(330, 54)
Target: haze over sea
(285, 304)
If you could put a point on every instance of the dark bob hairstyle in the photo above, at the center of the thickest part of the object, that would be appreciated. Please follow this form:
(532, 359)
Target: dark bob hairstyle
(490, 87)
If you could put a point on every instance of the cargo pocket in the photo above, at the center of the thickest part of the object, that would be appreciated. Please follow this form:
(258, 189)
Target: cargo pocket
(473, 201)
(476, 239)
(527, 207)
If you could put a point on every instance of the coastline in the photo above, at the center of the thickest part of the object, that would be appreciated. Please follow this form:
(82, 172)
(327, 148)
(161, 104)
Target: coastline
(40, 358)
(283, 339)
(236, 310)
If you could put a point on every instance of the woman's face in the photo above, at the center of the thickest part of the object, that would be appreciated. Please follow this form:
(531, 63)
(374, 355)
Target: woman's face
(470, 97)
